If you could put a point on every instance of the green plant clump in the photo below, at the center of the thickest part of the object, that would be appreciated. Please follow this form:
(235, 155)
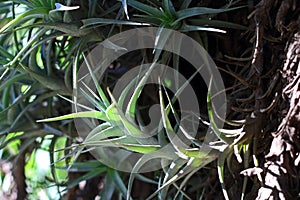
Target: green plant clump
(43, 43)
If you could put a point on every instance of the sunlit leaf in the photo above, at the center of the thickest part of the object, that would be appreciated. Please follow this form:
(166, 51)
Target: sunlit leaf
(87, 114)
(94, 22)
(144, 149)
(60, 7)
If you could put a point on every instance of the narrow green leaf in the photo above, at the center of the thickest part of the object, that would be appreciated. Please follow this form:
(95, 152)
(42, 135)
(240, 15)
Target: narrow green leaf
(108, 190)
(75, 66)
(110, 132)
(32, 40)
(195, 153)
(126, 91)
(187, 28)
(18, 19)
(187, 170)
(60, 7)
(183, 184)
(4, 11)
(118, 182)
(144, 149)
(165, 154)
(221, 164)
(147, 19)
(185, 4)
(32, 61)
(92, 8)
(99, 128)
(169, 8)
(27, 52)
(145, 8)
(93, 100)
(124, 4)
(13, 126)
(216, 23)
(174, 139)
(95, 22)
(53, 83)
(5, 53)
(246, 152)
(89, 175)
(190, 12)
(161, 38)
(112, 142)
(88, 114)
(145, 179)
(173, 169)
(84, 166)
(217, 131)
(12, 80)
(72, 29)
(117, 118)
(17, 100)
(113, 115)
(131, 107)
(95, 80)
(186, 134)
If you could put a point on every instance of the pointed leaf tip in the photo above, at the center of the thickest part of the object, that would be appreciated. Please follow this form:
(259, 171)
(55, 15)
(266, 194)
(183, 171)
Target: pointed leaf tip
(60, 7)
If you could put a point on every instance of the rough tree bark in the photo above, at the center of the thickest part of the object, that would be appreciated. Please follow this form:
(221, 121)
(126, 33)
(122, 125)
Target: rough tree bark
(282, 162)
(281, 165)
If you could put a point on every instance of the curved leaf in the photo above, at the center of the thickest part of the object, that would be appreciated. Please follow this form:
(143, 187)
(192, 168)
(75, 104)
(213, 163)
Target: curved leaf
(88, 114)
